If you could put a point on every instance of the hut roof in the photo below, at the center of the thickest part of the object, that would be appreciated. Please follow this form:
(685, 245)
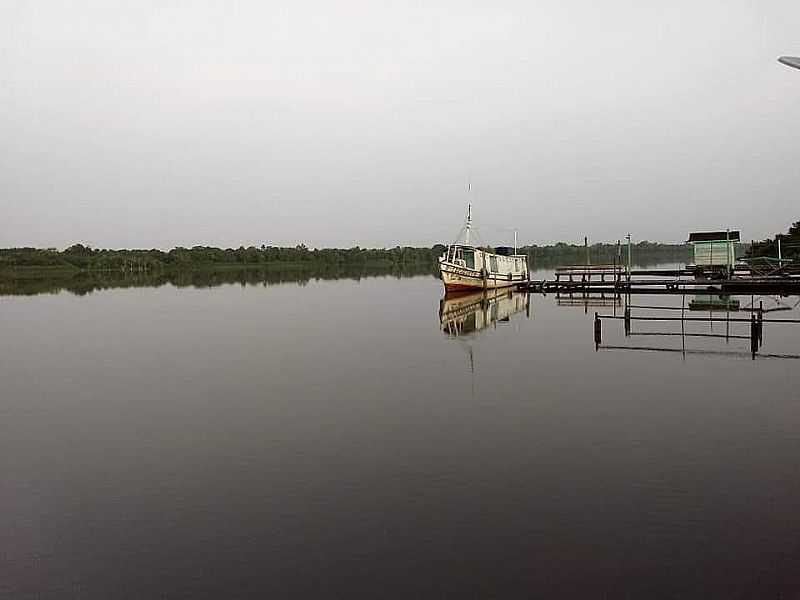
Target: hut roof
(714, 236)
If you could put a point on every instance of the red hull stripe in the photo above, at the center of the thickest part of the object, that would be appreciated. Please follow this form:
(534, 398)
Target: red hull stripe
(473, 286)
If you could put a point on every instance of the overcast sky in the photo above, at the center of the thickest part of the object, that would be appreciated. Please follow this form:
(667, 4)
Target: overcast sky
(338, 123)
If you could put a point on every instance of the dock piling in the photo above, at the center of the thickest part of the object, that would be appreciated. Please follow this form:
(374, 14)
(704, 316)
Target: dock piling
(629, 259)
(586, 247)
(598, 331)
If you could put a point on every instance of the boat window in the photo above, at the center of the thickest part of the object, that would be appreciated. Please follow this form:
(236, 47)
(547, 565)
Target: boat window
(469, 258)
(493, 263)
(470, 323)
(459, 256)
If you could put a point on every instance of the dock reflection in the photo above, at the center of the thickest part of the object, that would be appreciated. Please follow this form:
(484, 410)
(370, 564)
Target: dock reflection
(740, 323)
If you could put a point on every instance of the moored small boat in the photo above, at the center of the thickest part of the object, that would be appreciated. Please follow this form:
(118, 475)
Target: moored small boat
(465, 267)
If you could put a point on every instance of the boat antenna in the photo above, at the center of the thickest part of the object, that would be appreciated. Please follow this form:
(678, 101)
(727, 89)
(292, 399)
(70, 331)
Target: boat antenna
(469, 211)
(469, 223)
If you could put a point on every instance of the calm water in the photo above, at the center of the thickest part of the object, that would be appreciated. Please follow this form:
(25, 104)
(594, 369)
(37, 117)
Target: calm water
(341, 439)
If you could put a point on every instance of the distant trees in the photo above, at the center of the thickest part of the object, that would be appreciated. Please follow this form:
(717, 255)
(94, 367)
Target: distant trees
(790, 245)
(80, 257)
(564, 253)
(86, 258)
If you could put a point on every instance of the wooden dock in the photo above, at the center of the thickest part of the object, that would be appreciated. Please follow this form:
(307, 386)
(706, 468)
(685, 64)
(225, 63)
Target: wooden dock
(613, 279)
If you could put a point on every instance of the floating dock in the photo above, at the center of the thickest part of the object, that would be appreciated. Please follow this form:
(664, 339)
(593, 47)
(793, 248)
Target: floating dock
(612, 279)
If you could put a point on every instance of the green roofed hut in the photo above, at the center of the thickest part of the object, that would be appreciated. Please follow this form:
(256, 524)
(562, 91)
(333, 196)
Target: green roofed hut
(714, 251)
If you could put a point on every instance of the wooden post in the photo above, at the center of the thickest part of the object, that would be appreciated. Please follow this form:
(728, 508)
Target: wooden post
(728, 263)
(627, 321)
(614, 270)
(586, 246)
(760, 323)
(683, 324)
(597, 332)
(753, 335)
(629, 259)
(711, 260)
(728, 318)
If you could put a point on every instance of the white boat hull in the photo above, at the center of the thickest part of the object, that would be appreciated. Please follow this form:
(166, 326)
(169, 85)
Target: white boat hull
(457, 278)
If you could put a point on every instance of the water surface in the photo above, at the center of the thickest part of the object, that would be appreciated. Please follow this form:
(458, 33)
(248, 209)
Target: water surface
(336, 439)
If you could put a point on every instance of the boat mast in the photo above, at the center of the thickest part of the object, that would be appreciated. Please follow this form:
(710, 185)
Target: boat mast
(469, 212)
(469, 223)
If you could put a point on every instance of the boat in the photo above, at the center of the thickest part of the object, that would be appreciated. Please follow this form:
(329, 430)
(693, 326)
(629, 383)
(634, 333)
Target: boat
(464, 267)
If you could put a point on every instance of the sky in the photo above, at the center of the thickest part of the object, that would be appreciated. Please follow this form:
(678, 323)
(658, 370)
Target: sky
(164, 123)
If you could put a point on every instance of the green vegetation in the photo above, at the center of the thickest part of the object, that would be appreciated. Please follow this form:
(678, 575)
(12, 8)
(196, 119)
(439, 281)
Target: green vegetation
(36, 262)
(86, 259)
(80, 269)
(790, 245)
(641, 253)
(85, 282)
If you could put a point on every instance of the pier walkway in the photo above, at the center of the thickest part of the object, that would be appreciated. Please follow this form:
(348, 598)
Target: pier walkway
(613, 279)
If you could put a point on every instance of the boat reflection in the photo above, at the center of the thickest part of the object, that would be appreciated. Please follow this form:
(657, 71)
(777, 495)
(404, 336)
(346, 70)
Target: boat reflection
(464, 315)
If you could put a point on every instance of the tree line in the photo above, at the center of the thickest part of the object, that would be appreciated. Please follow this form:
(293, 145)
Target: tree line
(603, 253)
(82, 257)
(790, 245)
(85, 258)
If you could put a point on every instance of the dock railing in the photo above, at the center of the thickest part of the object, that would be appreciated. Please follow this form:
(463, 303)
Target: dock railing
(585, 273)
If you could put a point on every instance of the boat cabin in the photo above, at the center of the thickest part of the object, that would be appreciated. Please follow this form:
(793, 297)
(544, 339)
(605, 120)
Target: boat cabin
(463, 256)
(503, 261)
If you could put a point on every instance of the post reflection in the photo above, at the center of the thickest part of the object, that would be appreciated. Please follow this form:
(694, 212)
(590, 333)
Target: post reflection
(719, 317)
